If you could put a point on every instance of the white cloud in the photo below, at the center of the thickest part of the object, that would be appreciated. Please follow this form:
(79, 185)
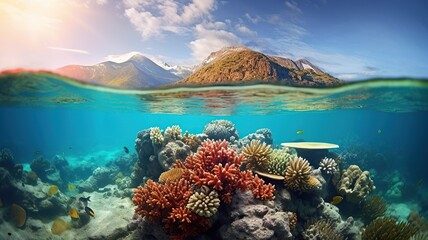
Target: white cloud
(292, 5)
(155, 17)
(245, 30)
(73, 50)
(101, 2)
(252, 19)
(210, 40)
(120, 58)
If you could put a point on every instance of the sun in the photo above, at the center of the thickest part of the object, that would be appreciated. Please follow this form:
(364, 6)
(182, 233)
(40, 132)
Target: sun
(30, 19)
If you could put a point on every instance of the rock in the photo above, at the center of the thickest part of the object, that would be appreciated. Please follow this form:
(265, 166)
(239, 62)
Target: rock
(173, 151)
(100, 178)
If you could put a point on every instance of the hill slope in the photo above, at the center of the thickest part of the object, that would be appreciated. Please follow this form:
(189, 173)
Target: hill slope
(243, 65)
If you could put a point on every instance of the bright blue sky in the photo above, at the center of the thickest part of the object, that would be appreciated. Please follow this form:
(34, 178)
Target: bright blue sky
(348, 39)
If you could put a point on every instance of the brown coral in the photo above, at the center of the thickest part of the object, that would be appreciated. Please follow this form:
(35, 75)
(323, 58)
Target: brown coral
(355, 184)
(292, 216)
(191, 140)
(297, 175)
(172, 174)
(388, 229)
(321, 229)
(257, 155)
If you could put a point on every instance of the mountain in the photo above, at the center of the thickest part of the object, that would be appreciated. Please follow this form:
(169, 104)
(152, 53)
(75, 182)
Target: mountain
(237, 65)
(138, 72)
(181, 71)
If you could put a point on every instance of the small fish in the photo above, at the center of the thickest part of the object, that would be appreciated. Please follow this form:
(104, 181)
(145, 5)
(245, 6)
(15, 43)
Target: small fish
(10, 234)
(73, 213)
(379, 131)
(71, 187)
(85, 200)
(299, 132)
(126, 149)
(420, 182)
(89, 211)
(53, 190)
(336, 200)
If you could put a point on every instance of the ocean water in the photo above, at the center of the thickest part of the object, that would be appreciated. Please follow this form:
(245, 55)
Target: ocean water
(386, 121)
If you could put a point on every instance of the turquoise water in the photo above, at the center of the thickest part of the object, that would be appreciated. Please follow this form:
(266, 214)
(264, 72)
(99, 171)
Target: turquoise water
(44, 115)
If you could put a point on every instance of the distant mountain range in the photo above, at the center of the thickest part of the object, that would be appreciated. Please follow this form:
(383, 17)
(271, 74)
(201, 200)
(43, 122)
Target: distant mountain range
(232, 65)
(136, 73)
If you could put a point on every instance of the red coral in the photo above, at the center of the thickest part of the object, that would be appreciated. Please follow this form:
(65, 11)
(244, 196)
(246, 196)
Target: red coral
(217, 166)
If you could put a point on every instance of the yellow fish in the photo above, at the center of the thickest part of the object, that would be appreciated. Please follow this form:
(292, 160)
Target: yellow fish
(71, 187)
(89, 211)
(53, 190)
(73, 213)
(336, 200)
(299, 132)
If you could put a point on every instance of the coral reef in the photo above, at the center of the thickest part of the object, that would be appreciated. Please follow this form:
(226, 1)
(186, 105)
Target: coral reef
(221, 130)
(297, 175)
(321, 229)
(355, 184)
(173, 151)
(213, 167)
(278, 161)
(329, 166)
(417, 221)
(388, 229)
(419, 236)
(204, 202)
(257, 156)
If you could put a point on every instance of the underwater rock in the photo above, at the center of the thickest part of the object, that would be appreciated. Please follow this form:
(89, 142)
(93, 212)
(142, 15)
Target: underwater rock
(264, 135)
(221, 130)
(173, 151)
(350, 229)
(40, 166)
(124, 162)
(146, 230)
(6, 160)
(100, 178)
(254, 219)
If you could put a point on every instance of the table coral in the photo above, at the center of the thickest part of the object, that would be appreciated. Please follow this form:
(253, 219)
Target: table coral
(355, 184)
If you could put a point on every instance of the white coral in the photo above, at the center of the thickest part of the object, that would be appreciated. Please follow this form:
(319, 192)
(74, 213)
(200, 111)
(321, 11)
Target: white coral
(205, 203)
(156, 135)
(173, 133)
(329, 166)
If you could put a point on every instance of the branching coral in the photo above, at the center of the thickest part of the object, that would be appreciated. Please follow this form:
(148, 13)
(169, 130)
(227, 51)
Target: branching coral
(355, 184)
(278, 161)
(388, 229)
(217, 166)
(257, 156)
(329, 166)
(156, 135)
(173, 133)
(374, 207)
(297, 175)
(321, 229)
(205, 203)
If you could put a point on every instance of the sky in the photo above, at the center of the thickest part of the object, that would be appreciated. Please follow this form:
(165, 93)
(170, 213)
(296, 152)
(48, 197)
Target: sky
(351, 40)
